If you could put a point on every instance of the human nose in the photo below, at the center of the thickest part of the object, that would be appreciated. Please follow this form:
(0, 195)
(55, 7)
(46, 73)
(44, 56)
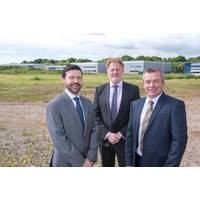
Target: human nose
(151, 84)
(75, 80)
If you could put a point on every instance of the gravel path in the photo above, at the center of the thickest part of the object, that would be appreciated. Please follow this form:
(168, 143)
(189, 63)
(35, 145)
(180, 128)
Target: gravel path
(24, 140)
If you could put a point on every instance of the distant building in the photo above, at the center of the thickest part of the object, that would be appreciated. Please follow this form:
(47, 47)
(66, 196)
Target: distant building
(55, 67)
(35, 66)
(138, 66)
(92, 67)
(192, 68)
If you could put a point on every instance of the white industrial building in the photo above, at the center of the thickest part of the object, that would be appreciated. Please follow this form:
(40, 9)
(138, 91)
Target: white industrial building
(138, 66)
(87, 67)
(92, 67)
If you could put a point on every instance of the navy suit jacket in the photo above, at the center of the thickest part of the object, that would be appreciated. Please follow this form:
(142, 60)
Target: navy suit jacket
(130, 92)
(166, 134)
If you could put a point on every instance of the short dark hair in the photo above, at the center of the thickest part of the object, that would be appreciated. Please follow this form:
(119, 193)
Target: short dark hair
(70, 67)
(152, 70)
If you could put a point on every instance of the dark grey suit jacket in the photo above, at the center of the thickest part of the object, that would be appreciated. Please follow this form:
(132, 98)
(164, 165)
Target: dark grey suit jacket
(130, 92)
(71, 145)
(166, 134)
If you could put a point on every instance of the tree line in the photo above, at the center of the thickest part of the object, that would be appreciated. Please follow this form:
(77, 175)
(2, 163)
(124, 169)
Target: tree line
(177, 62)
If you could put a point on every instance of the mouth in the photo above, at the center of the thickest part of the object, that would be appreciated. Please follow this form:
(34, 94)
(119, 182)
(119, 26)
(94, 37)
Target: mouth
(76, 85)
(152, 90)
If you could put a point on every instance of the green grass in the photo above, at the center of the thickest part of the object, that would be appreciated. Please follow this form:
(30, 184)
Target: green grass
(43, 87)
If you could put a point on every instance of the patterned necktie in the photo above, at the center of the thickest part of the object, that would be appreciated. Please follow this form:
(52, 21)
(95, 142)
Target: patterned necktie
(145, 122)
(79, 111)
(114, 104)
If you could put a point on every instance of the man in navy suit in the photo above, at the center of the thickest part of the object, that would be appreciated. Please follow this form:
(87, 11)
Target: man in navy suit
(112, 107)
(157, 129)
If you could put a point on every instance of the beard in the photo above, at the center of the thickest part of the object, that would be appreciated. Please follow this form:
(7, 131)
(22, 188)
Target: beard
(74, 88)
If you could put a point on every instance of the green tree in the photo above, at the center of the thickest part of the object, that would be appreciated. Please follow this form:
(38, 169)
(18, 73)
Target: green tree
(177, 67)
(141, 57)
(71, 60)
(81, 60)
(178, 59)
(127, 58)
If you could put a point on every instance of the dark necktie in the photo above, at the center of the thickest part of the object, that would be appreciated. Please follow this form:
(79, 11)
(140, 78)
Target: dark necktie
(114, 104)
(79, 111)
(145, 122)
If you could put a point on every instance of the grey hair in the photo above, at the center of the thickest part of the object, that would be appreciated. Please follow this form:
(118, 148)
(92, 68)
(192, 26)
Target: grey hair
(152, 70)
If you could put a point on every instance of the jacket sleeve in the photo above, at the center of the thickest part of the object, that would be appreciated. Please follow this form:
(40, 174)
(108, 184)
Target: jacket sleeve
(92, 151)
(178, 134)
(101, 129)
(137, 93)
(57, 133)
(129, 140)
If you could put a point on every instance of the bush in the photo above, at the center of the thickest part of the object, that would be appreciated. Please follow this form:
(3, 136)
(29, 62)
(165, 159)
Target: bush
(36, 78)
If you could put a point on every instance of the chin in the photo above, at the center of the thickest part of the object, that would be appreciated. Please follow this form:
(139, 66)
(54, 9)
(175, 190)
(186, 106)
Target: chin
(115, 80)
(152, 95)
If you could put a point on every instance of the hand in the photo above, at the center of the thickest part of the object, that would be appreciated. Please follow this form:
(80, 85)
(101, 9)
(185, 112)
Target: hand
(88, 163)
(119, 135)
(113, 138)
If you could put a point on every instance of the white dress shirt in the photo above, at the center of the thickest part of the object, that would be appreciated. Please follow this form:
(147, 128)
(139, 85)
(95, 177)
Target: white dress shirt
(155, 100)
(71, 96)
(119, 93)
(119, 98)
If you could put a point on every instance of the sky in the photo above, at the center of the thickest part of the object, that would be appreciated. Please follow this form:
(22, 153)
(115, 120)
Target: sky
(59, 29)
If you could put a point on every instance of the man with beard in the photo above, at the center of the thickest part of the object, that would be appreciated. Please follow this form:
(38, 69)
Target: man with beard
(71, 124)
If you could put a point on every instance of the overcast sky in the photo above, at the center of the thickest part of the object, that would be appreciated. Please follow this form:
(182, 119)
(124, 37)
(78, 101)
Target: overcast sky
(59, 29)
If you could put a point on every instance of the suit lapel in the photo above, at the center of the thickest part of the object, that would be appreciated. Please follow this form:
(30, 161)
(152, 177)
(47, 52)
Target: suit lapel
(72, 110)
(138, 112)
(86, 113)
(159, 105)
(124, 98)
(107, 99)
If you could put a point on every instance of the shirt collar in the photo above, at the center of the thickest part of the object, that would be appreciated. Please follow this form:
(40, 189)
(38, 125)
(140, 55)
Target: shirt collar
(119, 84)
(155, 99)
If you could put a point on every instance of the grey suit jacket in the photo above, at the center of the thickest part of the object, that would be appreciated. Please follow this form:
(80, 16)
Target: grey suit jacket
(166, 134)
(72, 144)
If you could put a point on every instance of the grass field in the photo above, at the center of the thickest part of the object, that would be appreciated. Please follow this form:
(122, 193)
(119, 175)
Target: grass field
(24, 139)
(34, 88)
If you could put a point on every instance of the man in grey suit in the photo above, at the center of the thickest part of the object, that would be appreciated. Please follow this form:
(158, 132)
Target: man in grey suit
(157, 129)
(71, 124)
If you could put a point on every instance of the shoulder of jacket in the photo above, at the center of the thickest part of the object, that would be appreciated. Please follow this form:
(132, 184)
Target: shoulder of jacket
(85, 99)
(130, 85)
(56, 100)
(173, 99)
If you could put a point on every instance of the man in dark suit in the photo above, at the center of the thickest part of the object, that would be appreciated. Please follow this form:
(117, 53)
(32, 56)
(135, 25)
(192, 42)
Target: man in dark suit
(112, 106)
(157, 129)
(71, 124)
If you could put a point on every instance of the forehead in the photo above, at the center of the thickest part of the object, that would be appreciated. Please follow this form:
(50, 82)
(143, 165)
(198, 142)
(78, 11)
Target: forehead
(152, 75)
(73, 73)
(115, 65)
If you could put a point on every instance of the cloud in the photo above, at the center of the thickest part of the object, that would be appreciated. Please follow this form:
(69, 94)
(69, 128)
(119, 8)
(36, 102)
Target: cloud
(100, 45)
(96, 34)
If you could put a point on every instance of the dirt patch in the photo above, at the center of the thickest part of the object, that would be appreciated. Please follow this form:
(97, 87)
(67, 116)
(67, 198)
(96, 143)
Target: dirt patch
(24, 139)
